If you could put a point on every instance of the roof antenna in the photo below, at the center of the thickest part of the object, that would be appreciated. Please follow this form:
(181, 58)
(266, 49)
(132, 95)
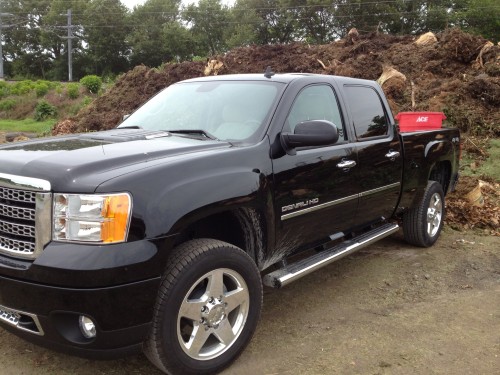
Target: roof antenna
(269, 72)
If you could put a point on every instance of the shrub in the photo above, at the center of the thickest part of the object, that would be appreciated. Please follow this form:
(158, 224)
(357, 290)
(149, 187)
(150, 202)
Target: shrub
(4, 90)
(93, 83)
(44, 110)
(41, 88)
(22, 87)
(73, 90)
(7, 104)
(87, 100)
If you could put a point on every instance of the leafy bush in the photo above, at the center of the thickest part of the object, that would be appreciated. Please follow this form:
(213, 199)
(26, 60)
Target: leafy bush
(22, 87)
(4, 89)
(44, 110)
(73, 90)
(41, 88)
(93, 83)
(7, 104)
(86, 101)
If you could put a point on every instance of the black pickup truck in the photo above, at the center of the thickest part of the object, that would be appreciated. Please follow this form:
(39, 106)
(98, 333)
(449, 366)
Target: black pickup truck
(159, 234)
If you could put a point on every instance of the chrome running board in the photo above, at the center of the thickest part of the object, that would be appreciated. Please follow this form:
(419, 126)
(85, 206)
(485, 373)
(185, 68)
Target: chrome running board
(294, 271)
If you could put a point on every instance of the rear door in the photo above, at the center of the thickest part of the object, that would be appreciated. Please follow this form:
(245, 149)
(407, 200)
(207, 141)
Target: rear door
(380, 161)
(315, 196)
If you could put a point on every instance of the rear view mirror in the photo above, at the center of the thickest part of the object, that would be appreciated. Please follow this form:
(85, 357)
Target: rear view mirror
(310, 134)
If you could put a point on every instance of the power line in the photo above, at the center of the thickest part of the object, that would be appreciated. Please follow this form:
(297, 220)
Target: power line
(280, 8)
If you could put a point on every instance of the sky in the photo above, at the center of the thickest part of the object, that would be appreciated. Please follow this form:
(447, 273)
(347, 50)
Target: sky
(130, 3)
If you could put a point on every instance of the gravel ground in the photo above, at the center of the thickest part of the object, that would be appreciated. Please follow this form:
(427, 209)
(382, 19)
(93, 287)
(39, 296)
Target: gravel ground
(388, 309)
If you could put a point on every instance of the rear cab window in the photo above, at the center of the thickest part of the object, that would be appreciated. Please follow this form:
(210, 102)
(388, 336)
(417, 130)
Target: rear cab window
(369, 118)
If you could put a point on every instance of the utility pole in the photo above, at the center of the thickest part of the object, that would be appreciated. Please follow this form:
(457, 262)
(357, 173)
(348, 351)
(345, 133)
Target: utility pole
(70, 38)
(2, 26)
(1, 51)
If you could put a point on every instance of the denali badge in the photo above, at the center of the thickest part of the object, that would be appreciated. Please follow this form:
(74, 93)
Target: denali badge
(306, 203)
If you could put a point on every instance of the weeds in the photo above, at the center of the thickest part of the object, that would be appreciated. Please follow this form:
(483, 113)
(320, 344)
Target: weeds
(44, 110)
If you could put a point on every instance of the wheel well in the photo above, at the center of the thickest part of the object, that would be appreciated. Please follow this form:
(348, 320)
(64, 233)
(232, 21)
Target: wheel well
(242, 227)
(442, 174)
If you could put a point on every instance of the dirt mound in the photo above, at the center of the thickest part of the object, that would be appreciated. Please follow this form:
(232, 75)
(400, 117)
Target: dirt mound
(462, 214)
(441, 76)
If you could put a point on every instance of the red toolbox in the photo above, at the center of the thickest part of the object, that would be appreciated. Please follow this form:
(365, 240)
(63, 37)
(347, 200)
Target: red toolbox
(418, 121)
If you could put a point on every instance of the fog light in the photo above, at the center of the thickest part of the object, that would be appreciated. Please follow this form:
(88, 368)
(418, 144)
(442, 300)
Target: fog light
(87, 326)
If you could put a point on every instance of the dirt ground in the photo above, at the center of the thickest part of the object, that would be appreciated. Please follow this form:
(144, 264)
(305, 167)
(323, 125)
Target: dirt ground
(388, 309)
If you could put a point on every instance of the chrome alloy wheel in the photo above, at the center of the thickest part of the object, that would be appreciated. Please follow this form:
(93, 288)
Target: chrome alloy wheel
(434, 214)
(213, 314)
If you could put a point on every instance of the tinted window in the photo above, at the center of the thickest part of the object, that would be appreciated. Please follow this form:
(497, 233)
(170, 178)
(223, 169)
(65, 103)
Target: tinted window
(367, 112)
(316, 102)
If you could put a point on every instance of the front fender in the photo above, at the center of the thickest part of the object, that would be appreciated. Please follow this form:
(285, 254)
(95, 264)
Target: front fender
(171, 192)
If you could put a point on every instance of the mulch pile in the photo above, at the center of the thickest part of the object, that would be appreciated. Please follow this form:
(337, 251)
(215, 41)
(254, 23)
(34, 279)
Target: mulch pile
(456, 73)
(462, 214)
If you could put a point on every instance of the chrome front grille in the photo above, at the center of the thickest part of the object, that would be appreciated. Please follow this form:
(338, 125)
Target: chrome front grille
(18, 229)
(17, 224)
(17, 195)
(25, 209)
(17, 213)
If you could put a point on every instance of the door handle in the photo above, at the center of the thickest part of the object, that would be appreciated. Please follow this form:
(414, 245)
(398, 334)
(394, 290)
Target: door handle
(392, 155)
(346, 164)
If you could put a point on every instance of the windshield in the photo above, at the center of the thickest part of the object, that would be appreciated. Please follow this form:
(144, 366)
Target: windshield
(226, 110)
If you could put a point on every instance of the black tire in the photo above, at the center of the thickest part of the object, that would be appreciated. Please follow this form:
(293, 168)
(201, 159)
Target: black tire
(422, 225)
(207, 308)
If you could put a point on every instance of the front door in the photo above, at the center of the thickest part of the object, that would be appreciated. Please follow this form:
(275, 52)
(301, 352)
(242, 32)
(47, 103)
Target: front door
(315, 193)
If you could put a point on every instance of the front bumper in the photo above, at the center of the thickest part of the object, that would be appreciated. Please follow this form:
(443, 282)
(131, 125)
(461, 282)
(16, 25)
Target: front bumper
(48, 315)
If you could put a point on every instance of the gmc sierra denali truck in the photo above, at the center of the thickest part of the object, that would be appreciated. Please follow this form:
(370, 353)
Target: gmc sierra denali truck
(159, 234)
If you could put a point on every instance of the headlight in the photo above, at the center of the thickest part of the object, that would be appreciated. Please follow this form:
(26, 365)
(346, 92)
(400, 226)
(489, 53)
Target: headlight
(91, 218)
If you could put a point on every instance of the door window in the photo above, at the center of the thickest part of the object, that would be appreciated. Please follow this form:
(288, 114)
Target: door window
(368, 113)
(316, 102)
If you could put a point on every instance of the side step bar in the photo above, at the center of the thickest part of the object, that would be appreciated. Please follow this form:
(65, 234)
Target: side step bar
(294, 271)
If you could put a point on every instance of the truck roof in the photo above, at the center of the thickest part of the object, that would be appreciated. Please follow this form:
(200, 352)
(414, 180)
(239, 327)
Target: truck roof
(278, 77)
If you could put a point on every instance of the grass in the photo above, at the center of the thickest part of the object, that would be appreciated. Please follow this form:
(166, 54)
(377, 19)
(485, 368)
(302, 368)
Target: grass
(491, 167)
(27, 125)
(487, 168)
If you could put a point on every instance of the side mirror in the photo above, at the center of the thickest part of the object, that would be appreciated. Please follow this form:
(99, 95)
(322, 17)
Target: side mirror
(309, 134)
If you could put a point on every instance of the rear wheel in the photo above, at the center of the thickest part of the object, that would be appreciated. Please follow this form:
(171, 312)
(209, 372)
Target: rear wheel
(207, 310)
(422, 225)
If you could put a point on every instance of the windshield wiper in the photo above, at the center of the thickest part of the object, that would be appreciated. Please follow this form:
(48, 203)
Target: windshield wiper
(194, 132)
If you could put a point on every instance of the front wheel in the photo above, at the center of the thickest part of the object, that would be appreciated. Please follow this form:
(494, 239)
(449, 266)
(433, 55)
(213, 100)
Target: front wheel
(422, 224)
(207, 310)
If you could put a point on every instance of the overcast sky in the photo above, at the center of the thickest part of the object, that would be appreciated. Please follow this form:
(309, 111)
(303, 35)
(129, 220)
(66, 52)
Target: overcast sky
(130, 3)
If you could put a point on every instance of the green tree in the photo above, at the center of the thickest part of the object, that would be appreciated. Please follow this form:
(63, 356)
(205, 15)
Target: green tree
(106, 28)
(280, 20)
(54, 33)
(318, 21)
(241, 29)
(152, 23)
(22, 51)
(208, 21)
(483, 17)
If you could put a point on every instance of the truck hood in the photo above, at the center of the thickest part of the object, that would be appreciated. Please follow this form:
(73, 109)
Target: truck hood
(68, 158)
